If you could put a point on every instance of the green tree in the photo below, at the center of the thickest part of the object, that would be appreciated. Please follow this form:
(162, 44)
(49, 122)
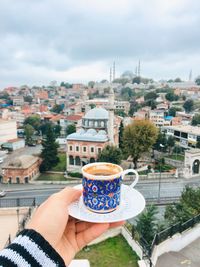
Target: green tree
(137, 80)
(57, 108)
(198, 144)
(57, 128)
(120, 112)
(28, 131)
(161, 141)
(110, 154)
(34, 121)
(172, 112)
(134, 106)
(196, 119)
(197, 80)
(150, 96)
(188, 105)
(138, 138)
(92, 105)
(71, 128)
(121, 130)
(91, 84)
(127, 93)
(50, 151)
(28, 99)
(170, 143)
(187, 207)
(147, 223)
(170, 96)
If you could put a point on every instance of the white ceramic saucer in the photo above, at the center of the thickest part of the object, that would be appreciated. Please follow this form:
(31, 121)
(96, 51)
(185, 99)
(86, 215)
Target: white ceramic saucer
(132, 203)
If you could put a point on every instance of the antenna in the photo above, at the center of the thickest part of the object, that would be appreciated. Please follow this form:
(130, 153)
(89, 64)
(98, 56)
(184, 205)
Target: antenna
(190, 75)
(114, 70)
(139, 68)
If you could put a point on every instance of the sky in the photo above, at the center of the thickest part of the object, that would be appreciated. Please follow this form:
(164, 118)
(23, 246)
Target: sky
(78, 40)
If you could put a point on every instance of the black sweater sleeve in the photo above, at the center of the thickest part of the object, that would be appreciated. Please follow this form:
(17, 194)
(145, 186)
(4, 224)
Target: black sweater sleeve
(30, 249)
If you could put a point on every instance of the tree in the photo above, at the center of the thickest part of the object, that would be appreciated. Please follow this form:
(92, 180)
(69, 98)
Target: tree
(196, 119)
(28, 131)
(71, 128)
(91, 84)
(177, 80)
(57, 128)
(50, 151)
(120, 112)
(170, 96)
(57, 108)
(150, 96)
(110, 154)
(172, 112)
(187, 207)
(134, 106)
(188, 105)
(147, 223)
(197, 80)
(170, 143)
(139, 138)
(137, 80)
(198, 144)
(121, 130)
(28, 99)
(160, 140)
(127, 93)
(34, 121)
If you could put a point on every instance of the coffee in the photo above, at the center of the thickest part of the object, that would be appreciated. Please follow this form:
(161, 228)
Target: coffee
(103, 170)
(102, 173)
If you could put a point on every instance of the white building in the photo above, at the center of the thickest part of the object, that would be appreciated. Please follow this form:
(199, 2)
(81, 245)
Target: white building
(185, 135)
(8, 130)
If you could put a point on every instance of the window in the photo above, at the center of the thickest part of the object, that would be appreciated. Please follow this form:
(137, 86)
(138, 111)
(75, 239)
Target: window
(99, 150)
(92, 149)
(77, 148)
(71, 160)
(77, 161)
(70, 148)
(84, 149)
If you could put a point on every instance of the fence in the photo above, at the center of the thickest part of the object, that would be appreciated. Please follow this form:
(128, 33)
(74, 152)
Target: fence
(164, 235)
(17, 202)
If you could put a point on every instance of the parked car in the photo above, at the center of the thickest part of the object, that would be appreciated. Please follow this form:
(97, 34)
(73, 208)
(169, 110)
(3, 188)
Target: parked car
(2, 193)
(1, 160)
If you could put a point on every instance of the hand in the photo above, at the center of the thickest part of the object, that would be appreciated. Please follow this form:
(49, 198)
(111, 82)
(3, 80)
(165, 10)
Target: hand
(65, 234)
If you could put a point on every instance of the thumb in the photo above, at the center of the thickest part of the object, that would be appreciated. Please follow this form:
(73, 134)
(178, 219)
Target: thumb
(69, 194)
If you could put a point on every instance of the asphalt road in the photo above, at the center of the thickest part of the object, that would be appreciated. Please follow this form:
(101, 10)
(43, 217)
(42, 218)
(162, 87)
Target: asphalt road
(169, 189)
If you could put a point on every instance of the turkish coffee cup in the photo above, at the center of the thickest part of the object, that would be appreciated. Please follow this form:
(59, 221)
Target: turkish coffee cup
(102, 186)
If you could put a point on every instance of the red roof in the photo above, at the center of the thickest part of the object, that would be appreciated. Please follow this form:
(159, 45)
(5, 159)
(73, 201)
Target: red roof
(74, 117)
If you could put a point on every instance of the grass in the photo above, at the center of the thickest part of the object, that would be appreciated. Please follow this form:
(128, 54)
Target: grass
(176, 157)
(61, 166)
(113, 252)
(51, 177)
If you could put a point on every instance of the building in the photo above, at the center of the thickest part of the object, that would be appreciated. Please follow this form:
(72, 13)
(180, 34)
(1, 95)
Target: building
(185, 135)
(18, 100)
(158, 118)
(99, 128)
(8, 130)
(14, 144)
(21, 169)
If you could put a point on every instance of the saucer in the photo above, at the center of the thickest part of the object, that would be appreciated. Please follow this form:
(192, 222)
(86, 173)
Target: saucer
(132, 204)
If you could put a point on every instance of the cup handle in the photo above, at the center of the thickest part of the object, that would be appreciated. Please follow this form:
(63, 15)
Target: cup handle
(132, 171)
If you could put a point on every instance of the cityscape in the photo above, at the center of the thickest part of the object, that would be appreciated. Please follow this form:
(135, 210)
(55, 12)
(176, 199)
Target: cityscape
(135, 110)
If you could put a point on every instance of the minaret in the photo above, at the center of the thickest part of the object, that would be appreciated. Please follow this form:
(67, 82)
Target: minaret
(113, 70)
(139, 69)
(111, 99)
(110, 75)
(190, 75)
(84, 101)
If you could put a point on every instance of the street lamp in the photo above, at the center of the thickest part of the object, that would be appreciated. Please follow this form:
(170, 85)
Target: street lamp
(159, 182)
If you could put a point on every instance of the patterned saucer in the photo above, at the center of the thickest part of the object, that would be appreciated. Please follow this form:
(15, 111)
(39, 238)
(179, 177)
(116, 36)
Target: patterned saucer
(132, 204)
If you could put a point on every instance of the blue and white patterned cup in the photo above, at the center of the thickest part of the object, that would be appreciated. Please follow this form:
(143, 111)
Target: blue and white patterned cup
(102, 186)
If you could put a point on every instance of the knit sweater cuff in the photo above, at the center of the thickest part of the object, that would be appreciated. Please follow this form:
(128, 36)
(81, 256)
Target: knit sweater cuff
(29, 248)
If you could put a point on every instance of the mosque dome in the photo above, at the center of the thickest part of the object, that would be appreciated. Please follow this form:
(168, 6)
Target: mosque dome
(91, 131)
(96, 113)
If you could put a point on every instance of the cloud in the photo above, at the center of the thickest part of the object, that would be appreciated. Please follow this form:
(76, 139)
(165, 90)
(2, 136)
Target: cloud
(44, 40)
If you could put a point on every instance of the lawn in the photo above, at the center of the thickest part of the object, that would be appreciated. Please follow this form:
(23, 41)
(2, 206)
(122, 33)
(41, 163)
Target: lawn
(61, 166)
(51, 177)
(176, 157)
(113, 252)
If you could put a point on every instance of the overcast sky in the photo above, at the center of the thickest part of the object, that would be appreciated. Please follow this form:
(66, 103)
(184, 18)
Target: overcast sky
(77, 40)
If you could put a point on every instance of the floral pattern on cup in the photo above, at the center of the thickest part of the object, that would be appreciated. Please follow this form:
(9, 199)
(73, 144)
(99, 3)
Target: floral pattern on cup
(102, 196)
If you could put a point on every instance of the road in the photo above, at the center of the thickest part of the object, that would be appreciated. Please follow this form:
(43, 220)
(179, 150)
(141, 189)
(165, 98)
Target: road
(169, 189)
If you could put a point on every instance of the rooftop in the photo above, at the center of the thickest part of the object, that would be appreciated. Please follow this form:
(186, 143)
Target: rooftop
(96, 113)
(185, 128)
(21, 162)
(90, 135)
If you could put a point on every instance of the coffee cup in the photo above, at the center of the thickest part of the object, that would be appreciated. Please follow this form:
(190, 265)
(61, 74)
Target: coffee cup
(102, 186)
